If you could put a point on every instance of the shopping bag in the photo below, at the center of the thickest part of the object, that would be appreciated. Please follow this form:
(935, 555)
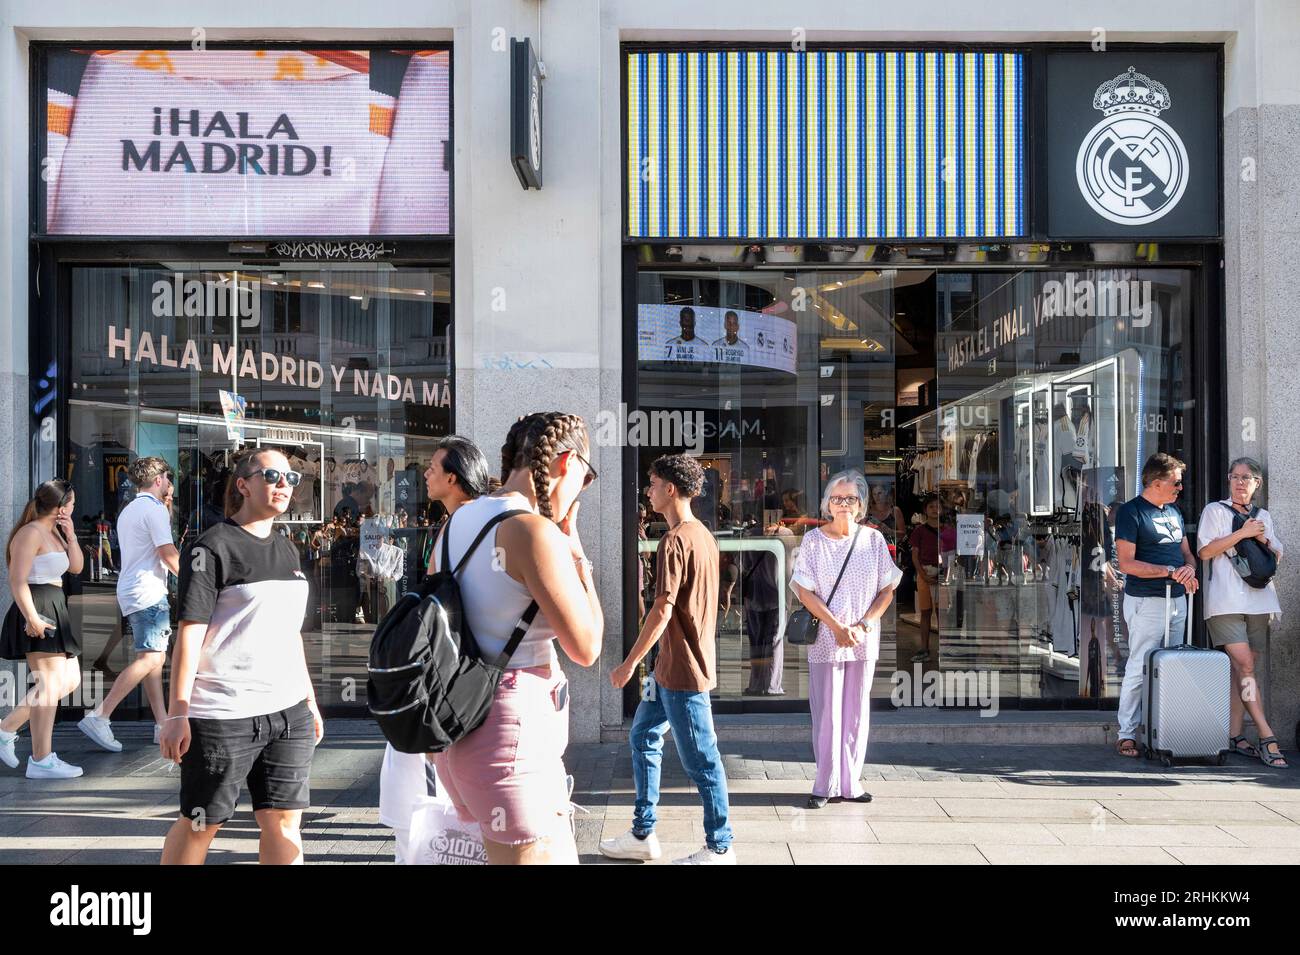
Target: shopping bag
(439, 837)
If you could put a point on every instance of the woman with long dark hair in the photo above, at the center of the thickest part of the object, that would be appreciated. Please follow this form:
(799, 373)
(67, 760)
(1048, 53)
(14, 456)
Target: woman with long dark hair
(38, 628)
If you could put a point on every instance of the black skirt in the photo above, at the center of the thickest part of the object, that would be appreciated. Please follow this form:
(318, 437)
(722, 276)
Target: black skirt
(50, 601)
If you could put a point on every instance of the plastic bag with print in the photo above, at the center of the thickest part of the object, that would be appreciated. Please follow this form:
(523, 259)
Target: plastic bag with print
(439, 837)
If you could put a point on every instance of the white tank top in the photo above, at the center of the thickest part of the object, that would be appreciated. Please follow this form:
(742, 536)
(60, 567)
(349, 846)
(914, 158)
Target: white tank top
(493, 600)
(48, 568)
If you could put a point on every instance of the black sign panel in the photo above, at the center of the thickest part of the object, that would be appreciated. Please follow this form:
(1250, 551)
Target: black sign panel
(525, 114)
(1133, 144)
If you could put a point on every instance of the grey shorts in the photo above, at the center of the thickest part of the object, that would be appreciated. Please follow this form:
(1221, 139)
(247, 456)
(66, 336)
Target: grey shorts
(1251, 628)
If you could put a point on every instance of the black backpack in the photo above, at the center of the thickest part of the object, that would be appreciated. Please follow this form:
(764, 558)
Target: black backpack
(429, 686)
(1254, 563)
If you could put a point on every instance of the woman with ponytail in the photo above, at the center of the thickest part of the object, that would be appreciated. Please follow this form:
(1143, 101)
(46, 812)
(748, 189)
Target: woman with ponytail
(38, 628)
(508, 775)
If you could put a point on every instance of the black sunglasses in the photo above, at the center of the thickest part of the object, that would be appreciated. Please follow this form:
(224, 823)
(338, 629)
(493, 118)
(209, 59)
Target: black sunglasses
(272, 476)
(591, 474)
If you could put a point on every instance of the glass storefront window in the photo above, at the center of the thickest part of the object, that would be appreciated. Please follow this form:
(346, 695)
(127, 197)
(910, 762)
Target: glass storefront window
(344, 368)
(1024, 401)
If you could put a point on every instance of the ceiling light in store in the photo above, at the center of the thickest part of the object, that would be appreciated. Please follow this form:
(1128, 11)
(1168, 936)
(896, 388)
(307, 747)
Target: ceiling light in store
(315, 284)
(355, 298)
(852, 344)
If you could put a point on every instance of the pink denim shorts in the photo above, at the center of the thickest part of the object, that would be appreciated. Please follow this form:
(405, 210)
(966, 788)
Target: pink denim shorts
(508, 775)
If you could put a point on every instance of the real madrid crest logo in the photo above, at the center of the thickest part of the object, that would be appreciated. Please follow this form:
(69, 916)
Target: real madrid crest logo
(1132, 167)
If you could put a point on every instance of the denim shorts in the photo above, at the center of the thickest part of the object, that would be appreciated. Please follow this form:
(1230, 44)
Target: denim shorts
(272, 753)
(151, 627)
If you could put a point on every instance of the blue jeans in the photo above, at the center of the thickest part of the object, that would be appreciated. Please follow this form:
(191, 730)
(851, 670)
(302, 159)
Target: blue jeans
(151, 628)
(691, 717)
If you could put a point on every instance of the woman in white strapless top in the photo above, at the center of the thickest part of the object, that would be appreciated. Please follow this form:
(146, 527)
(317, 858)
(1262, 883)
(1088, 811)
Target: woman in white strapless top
(38, 628)
(508, 775)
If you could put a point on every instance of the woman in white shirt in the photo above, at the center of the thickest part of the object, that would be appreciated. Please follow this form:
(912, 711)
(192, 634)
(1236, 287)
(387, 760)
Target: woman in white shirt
(842, 663)
(1237, 614)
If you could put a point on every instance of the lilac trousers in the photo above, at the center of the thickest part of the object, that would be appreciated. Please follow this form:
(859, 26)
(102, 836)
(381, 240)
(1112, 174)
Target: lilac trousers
(839, 695)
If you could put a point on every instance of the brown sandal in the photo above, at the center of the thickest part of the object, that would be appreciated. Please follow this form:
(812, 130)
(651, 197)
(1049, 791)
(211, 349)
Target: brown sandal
(1127, 747)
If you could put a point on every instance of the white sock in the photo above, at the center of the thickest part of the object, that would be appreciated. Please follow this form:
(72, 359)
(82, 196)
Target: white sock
(97, 712)
(5, 734)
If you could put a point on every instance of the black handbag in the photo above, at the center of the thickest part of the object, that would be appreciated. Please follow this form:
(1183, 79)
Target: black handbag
(1253, 562)
(801, 628)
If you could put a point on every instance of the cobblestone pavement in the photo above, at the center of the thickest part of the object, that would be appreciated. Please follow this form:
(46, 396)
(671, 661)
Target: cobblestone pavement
(934, 803)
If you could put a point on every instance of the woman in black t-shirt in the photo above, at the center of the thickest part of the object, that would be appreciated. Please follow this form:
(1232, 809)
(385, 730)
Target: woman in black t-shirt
(243, 708)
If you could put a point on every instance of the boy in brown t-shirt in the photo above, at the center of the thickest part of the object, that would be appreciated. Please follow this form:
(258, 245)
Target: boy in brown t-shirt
(682, 621)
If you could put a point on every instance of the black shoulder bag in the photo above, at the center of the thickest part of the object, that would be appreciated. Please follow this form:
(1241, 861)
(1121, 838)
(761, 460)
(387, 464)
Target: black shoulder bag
(1254, 563)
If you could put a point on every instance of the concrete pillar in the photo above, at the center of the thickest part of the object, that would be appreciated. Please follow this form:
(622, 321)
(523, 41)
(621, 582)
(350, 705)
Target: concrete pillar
(530, 319)
(1261, 247)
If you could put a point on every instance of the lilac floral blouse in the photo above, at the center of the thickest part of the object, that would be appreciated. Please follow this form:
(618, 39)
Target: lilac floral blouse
(870, 570)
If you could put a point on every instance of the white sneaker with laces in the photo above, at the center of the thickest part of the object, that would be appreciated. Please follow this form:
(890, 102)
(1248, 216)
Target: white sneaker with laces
(7, 754)
(628, 846)
(707, 856)
(51, 767)
(101, 731)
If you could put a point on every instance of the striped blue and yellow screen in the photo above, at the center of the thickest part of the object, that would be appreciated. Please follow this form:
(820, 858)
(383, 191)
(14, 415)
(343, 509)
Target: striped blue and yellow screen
(853, 144)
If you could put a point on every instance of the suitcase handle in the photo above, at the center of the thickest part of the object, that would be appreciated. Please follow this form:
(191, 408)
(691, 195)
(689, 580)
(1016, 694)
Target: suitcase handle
(1187, 623)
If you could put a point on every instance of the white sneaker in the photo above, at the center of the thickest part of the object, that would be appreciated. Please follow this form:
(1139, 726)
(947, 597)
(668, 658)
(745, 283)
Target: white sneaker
(628, 846)
(7, 754)
(707, 856)
(101, 731)
(51, 767)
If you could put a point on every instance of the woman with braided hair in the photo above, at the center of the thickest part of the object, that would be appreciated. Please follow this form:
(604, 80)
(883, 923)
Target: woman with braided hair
(508, 775)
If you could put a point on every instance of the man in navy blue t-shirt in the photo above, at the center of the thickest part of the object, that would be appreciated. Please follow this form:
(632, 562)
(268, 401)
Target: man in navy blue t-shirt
(1154, 557)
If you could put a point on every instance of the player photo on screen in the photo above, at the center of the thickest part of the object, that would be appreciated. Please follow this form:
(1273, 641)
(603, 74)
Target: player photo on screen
(727, 336)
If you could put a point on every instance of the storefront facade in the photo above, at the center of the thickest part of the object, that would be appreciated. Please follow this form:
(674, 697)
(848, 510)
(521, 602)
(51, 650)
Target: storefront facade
(263, 258)
(909, 228)
(862, 258)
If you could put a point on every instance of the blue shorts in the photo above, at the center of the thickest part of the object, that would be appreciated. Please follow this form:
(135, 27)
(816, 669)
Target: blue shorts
(151, 627)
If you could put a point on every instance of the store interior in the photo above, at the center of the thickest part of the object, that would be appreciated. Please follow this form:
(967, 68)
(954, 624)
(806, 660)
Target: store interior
(1022, 401)
(346, 369)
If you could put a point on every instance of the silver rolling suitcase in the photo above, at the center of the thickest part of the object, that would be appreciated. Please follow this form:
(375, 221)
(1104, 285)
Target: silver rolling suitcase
(1185, 704)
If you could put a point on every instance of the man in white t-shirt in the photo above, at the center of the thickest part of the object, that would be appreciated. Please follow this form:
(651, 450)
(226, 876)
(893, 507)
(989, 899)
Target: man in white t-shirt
(147, 552)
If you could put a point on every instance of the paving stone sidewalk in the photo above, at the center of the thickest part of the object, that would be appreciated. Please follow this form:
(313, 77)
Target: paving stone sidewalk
(935, 803)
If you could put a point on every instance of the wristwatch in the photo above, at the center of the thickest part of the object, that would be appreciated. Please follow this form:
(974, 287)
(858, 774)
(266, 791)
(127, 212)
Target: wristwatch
(1171, 570)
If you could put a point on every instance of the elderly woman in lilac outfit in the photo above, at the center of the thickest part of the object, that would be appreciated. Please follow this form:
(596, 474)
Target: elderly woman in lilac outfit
(842, 662)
